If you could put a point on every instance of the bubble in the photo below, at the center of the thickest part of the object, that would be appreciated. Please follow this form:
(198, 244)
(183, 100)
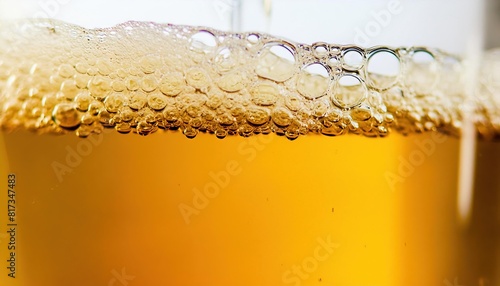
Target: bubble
(320, 108)
(114, 101)
(257, 116)
(226, 119)
(383, 68)
(104, 67)
(320, 50)
(149, 64)
(95, 107)
(123, 127)
(171, 114)
(361, 113)
(66, 116)
(293, 102)
(118, 86)
(352, 59)
(149, 83)
(231, 82)
(157, 101)
(197, 78)
(253, 39)
(137, 100)
(87, 119)
(145, 128)
(66, 70)
(172, 84)
(69, 89)
(349, 91)
(82, 80)
(214, 101)
(421, 72)
(333, 62)
(83, 100)
(132, 83)
(99, 87)
(83, 131)
(265, 93)
(190, 132)
(281, 117)
(276, 61)
(225, 60)
(203, 41)
(313, 81)
(82, 67)
(221, 133)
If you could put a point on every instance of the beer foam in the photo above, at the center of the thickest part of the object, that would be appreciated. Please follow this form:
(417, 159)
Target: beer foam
(140, 77)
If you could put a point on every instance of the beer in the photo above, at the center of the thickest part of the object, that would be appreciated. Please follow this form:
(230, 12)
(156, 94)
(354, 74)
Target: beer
(261, 194)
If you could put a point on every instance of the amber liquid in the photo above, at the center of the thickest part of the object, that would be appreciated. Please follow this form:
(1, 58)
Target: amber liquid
(166, 210)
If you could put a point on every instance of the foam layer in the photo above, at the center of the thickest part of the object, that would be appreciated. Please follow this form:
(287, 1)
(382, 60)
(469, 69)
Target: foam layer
(140, 77)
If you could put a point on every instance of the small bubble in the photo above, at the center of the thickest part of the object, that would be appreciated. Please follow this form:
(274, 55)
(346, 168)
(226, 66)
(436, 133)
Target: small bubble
(265, 93)
(349, 91)
(197, 78)
(132, 83)
(83, 100)
(171, 114)
(320, 108)
(225, 60)
(84, 131)
(69, 89)
(149, 64)
(257, 116)
(149, 83)
(293, 102)
(281, 117)
(421, 73)
(193, 110)
(361, 113)
(172, 84)
(66, 116)
(104, 117)
(82, 80)
(313, 81)
(138, 100)
(118, 86)
(214, 101)
(276, 61)
(114, 101)
(95, 107)
(352, 59)
(82, 67)
(225, 119)
(253, 39)
(203, 41)
(145, 128)
(99, 87)
(66, 70)
(231, 82)
(157, 101)
(221, 133)
(190, 132)
(383, 68)
(123, 127)
(320, 50)
(292, 134)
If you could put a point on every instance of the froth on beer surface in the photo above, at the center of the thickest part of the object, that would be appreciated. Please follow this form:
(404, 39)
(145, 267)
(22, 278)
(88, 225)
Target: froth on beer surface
(141, 77)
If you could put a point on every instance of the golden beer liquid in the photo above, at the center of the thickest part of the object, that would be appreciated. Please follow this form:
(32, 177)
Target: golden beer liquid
(161, 209)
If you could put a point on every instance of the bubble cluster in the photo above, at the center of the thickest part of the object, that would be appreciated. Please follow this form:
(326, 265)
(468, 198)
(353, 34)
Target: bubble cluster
(143, 77)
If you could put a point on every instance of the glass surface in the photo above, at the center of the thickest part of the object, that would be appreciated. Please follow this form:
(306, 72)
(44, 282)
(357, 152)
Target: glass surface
(162, 209)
